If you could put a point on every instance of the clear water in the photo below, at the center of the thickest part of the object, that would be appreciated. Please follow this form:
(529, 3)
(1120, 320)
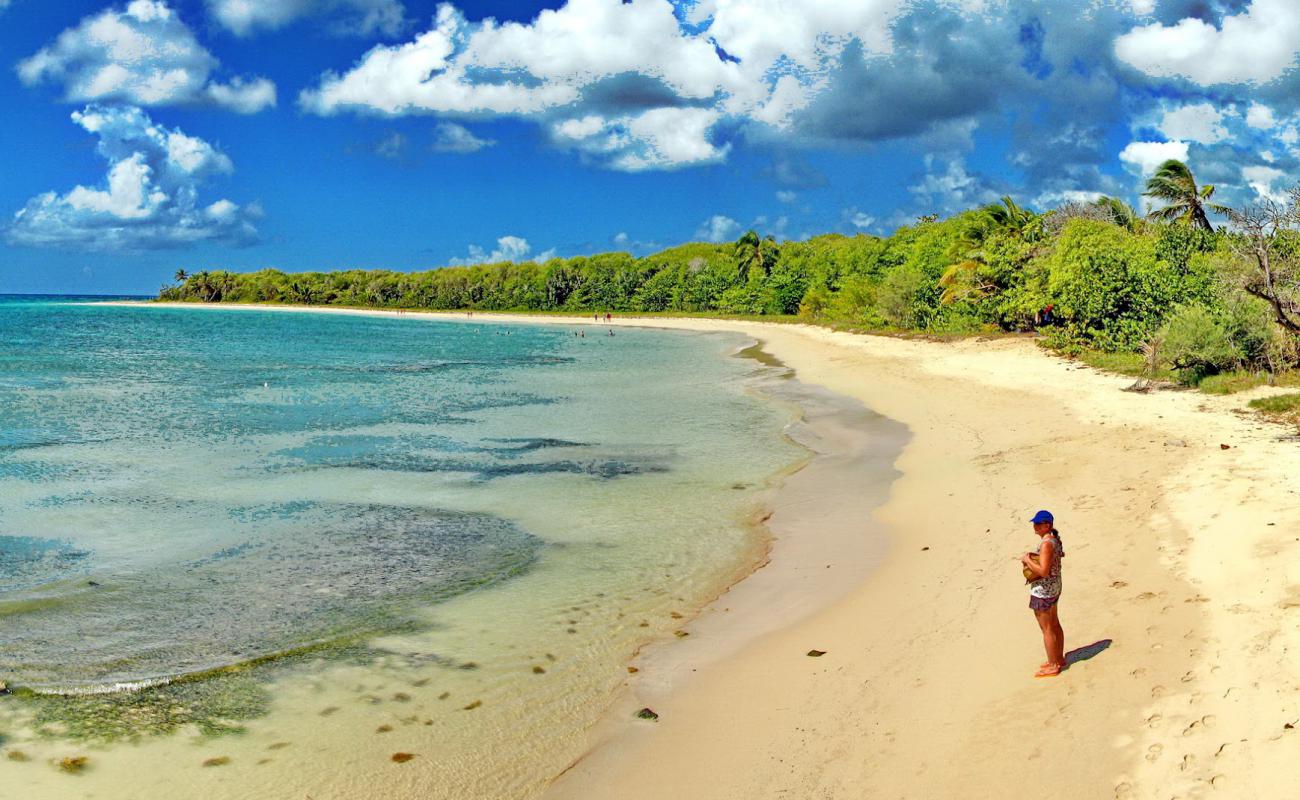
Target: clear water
(506, 511)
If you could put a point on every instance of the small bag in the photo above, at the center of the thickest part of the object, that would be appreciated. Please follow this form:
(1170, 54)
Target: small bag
(1030, 576)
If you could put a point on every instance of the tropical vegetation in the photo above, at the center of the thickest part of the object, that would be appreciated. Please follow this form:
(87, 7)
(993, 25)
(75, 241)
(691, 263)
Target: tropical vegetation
(1169, 291)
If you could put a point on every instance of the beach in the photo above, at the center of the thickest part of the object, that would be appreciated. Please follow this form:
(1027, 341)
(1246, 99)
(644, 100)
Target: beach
(1179, 603)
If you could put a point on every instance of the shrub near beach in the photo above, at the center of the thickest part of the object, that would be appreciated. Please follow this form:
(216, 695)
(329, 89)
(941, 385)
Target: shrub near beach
(1198, 301)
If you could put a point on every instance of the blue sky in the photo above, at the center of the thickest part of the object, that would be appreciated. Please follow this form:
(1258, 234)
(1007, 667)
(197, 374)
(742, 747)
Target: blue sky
(144, 136)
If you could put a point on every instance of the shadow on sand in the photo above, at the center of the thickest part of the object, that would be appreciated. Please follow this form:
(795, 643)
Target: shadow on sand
(1084, 653)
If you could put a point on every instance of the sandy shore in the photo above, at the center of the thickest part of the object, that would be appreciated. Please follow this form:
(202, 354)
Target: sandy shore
(1182, 593)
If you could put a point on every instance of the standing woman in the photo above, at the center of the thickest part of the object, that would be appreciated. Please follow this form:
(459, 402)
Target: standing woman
(1043, 570)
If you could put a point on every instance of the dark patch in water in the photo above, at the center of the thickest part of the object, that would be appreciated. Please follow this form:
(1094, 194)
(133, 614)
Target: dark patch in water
(338, 573)
(28, 561)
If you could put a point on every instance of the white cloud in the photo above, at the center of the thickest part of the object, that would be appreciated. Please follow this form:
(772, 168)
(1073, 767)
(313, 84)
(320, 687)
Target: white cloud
(144, 55)
(1144, 157)
(1260, 116)
(952, 189)
(509, 248)
(661, 138)
(449, 137)
(149, 198)
(392, 146)
(860, 220)
(718, 228)
(1198, 122)
(1257, 45)
(1261, 179)
(362, 17)
(627, 83)
(786, 196)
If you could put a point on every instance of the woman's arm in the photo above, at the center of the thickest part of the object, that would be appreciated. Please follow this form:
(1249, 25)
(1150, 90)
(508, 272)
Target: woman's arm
(1046, 557)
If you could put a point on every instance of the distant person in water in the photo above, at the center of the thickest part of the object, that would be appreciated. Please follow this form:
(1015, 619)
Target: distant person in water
(1043, 572)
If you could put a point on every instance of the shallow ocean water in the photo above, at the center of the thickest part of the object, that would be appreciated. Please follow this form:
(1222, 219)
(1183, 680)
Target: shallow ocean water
(337, 537)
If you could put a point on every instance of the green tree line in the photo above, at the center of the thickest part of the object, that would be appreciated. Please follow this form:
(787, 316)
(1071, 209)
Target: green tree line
(1089, 276)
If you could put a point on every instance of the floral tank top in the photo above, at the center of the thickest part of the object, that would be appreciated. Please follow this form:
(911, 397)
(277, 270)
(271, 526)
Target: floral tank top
(1050, 586)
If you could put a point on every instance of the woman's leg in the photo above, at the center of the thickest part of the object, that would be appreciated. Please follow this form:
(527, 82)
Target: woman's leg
(1049, 632)
(1057, 656)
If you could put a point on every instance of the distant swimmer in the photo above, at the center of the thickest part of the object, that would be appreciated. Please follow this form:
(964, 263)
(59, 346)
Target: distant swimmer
(1043, 574)
(611, 331)
(583, 334)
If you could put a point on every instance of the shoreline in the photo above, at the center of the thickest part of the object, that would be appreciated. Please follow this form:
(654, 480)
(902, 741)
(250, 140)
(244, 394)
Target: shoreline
(1181, 584)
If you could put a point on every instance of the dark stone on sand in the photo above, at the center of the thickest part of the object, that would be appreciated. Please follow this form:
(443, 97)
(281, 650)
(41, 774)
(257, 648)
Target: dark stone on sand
(1225, 447)
(219, 761)
(402, 758)
(539, 670)
(816, 653)
(444, 695)
(646, 713)
(923, 549)
(473, 705)
(383, 729)
(632, 670)
(277, 746)
(680, 634)
(73, 764)
(325, 712)
(402, 697)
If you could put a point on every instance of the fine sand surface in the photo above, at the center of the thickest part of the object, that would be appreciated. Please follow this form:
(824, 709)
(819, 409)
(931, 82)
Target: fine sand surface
(1181, 602)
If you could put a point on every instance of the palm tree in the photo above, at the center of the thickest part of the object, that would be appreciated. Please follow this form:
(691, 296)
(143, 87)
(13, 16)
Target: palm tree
(181, 275)
(1174, 184)
(1117, 211)
(1009, 215)
(970, 278)
(755, 252)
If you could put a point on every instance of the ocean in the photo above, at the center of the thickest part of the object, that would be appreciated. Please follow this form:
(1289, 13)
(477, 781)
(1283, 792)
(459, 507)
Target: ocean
(263, 553)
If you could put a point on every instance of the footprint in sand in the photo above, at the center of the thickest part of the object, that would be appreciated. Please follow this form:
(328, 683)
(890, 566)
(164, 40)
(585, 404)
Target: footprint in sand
(1154, 751)
(1189, 761)
(1157, 691)
(1123, 791)
(1153, 720)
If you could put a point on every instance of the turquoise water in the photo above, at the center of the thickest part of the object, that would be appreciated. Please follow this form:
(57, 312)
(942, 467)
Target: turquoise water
(186, 489)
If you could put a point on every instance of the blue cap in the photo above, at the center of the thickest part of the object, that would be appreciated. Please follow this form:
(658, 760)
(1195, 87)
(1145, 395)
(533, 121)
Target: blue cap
(1042, 516)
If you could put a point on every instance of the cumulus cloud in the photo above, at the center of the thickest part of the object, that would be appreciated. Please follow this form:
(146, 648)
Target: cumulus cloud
(1261, 180)
(627, 84)
(661, 138)
(142, 54)
(508, 248)
(1144, 157)
(1257, 45)
(859, 219)
(361, 17)
(149, 198)
(950, 187)
(718, 228)
(1198, 122)
(1260, 116)
(449, 137)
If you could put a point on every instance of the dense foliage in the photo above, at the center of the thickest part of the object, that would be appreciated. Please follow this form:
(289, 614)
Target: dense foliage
(1092, 276)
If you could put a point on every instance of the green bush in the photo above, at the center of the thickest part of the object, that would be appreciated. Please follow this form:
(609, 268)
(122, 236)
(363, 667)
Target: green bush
(1109, 285)
(1194, 343)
